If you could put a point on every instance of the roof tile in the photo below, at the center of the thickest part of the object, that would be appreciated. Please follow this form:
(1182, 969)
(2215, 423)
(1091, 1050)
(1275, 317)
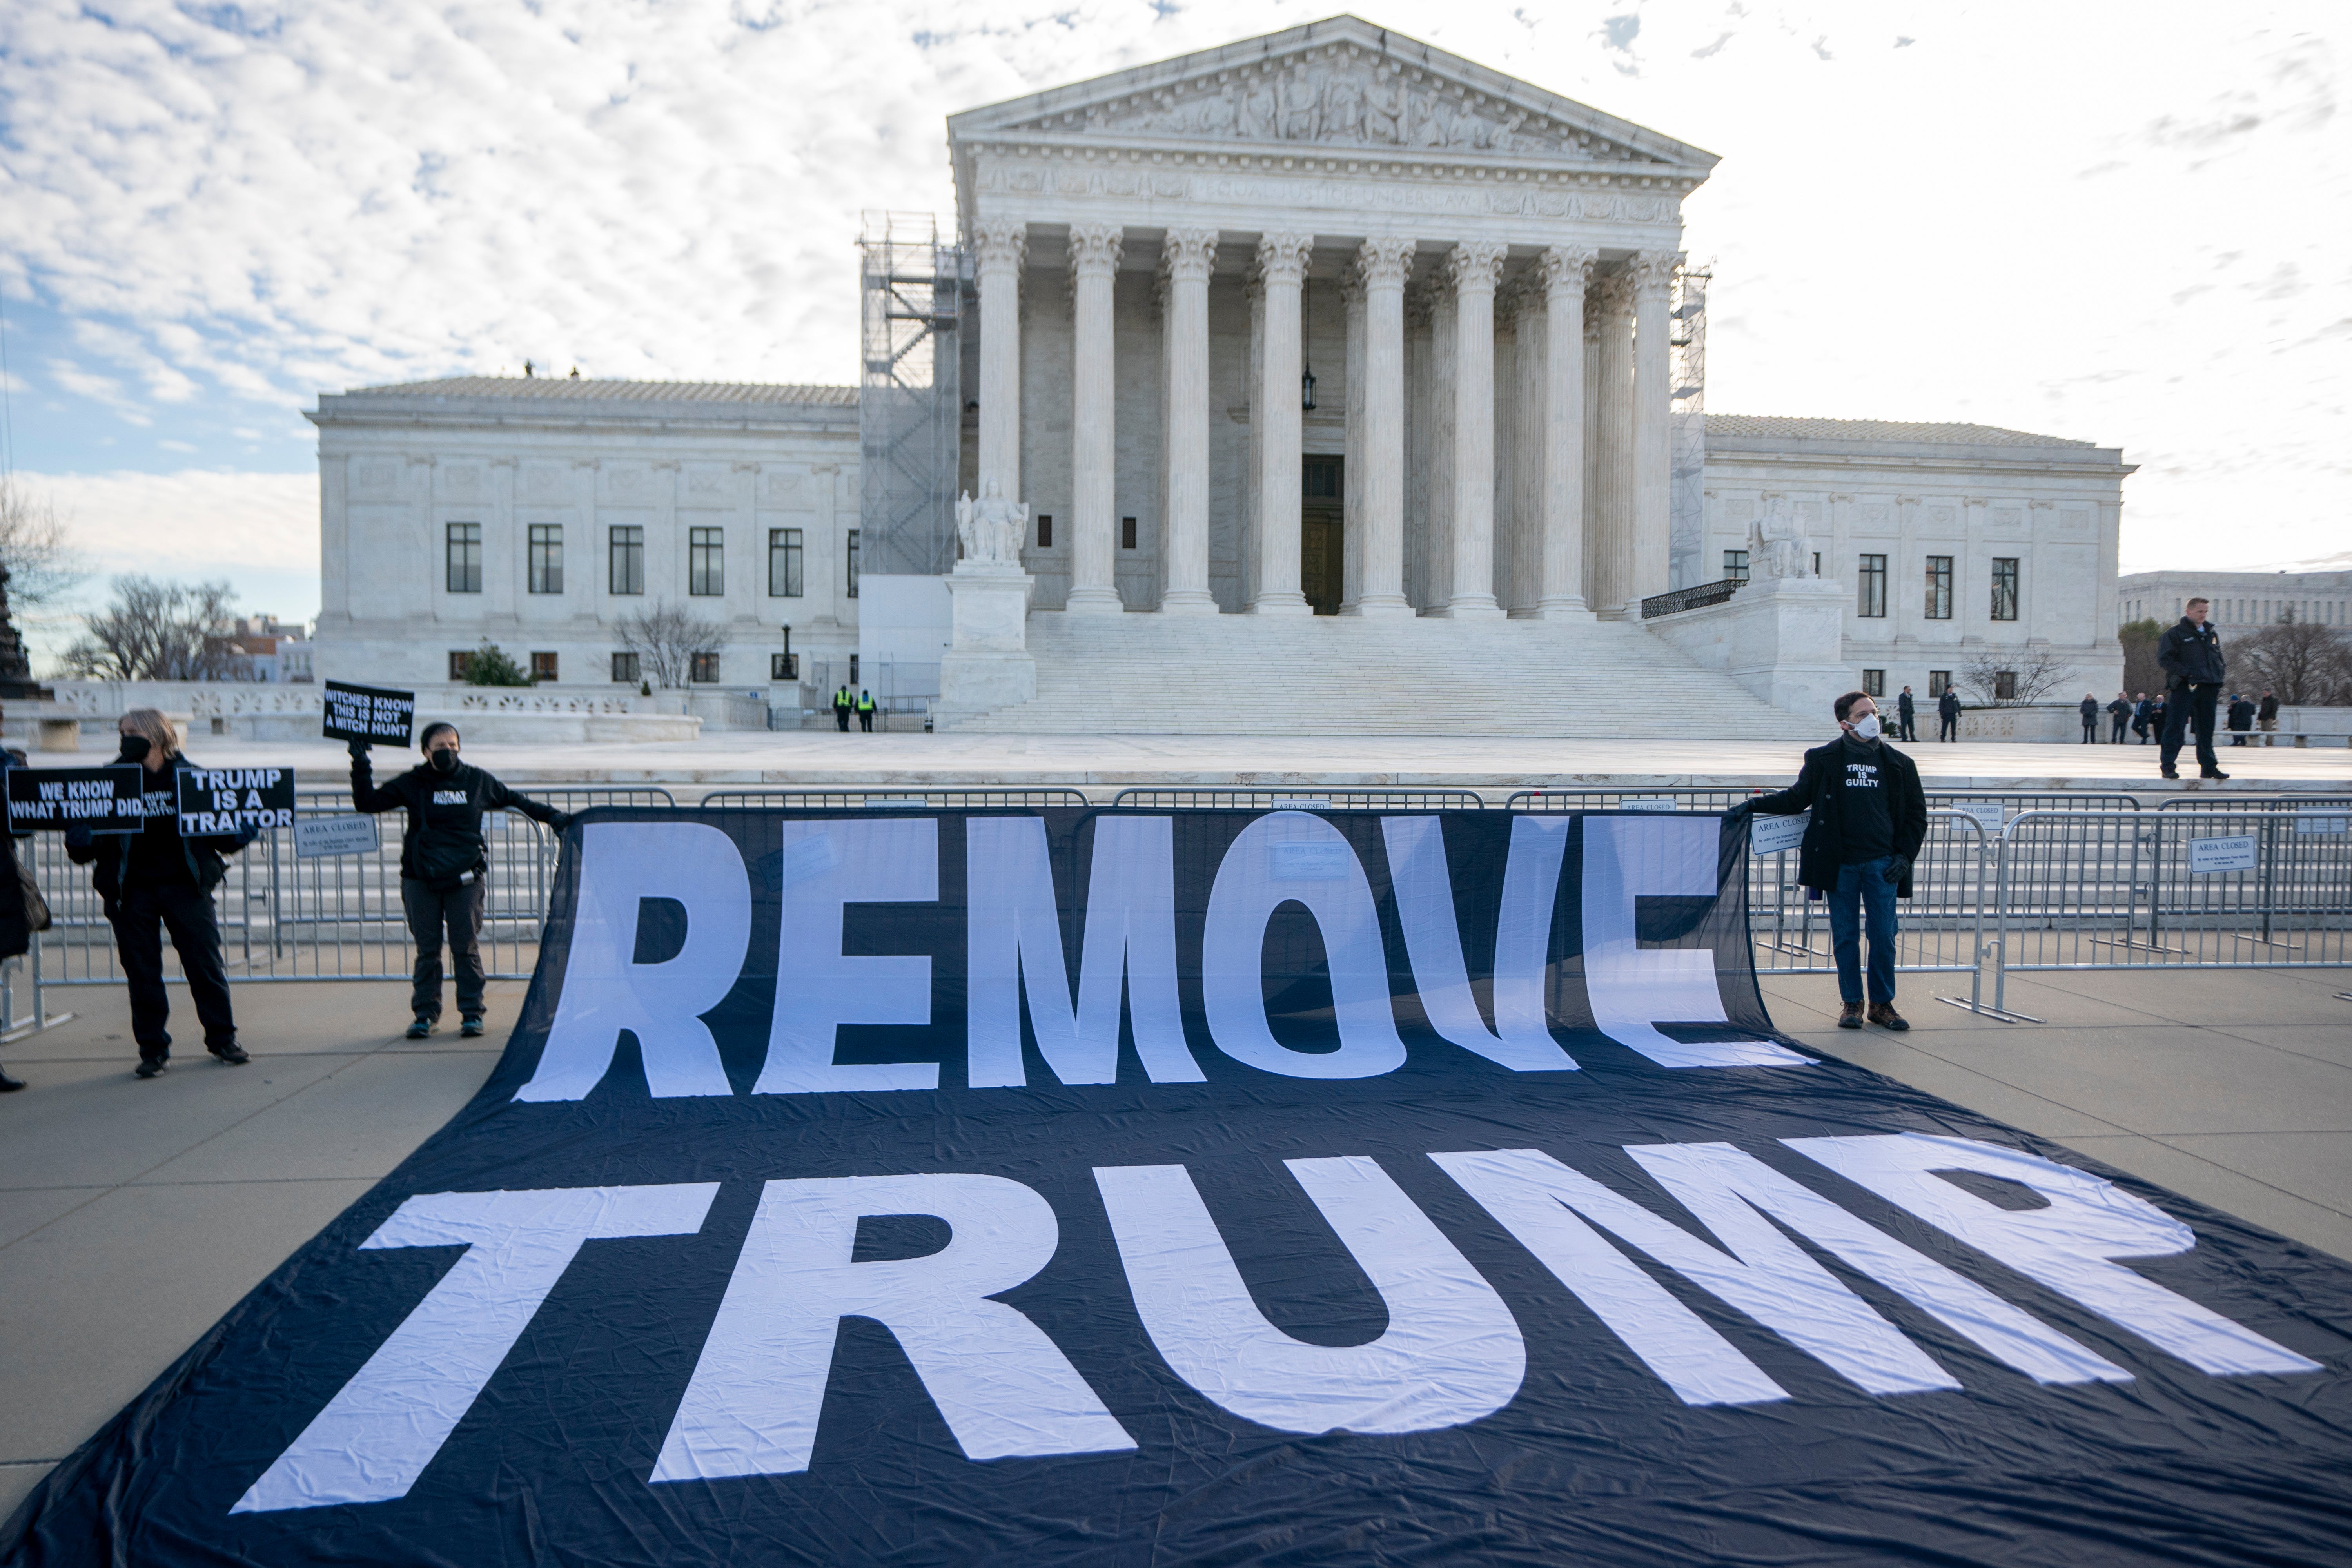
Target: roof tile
(1779, 427)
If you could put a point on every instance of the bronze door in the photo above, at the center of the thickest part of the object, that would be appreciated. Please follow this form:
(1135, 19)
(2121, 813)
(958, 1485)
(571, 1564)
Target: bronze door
(1321, 542)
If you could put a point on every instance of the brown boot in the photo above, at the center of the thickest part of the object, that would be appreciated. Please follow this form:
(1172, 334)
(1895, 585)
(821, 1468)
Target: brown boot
(1883, 1015)
(1851, 1017)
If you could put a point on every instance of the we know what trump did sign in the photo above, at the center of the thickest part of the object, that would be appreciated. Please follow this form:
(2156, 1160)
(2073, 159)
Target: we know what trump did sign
(1128, 1187)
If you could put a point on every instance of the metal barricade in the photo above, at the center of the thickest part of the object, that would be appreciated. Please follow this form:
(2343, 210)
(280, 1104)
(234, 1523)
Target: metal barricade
(2174, 889)
(1942, 923)
(884, 796)
(2216, 802)
(1301, 798)
(1676, 799)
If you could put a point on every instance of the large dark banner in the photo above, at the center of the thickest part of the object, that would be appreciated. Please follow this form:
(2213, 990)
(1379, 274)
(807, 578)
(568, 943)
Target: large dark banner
(1214, 1188)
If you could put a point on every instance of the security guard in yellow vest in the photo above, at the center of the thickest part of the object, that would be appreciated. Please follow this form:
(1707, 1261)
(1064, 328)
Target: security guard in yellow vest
(865, 711)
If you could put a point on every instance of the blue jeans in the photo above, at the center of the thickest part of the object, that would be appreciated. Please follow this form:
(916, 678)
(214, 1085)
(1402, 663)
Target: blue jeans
(1865, 886)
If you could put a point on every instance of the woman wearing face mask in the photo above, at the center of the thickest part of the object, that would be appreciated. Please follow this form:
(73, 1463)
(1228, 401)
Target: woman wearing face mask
(153, 879)
(444, 859)
(1869, 816)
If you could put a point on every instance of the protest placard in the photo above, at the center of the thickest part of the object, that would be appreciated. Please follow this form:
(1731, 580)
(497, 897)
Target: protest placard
(104, 800)
(368, 713)
(230, 800)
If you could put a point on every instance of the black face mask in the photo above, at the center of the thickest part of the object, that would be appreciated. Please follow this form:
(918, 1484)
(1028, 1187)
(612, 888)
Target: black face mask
(444, 761)
(135, 748)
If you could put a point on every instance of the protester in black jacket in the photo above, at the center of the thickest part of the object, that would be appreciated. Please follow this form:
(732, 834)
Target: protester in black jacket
(16, 931)
(1869, 816)
(2190, 654)
(444, 864)
(155, 877)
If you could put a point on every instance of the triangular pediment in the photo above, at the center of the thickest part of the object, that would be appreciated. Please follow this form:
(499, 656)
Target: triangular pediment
(1333, 84)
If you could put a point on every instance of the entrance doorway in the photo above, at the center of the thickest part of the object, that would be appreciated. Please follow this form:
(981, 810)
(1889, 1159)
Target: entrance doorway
(1321, 549)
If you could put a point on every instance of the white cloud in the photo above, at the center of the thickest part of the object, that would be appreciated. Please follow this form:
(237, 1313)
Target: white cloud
(2112, 223)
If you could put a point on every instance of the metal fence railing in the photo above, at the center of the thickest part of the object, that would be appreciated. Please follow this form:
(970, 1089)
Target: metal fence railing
(2106, 884)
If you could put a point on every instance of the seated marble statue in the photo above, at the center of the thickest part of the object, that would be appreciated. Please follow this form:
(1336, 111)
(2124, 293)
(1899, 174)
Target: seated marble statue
(990, 528)
(1777, 545)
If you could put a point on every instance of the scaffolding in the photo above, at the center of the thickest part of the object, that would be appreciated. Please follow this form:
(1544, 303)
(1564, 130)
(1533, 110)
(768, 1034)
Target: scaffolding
(909, 399)
(1686, 427)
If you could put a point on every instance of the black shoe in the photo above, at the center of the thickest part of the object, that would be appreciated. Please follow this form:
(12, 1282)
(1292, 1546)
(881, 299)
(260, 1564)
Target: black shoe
(2169, 771)
(10, 1084)
(2211, 773)
(470, 1029)
(422, 1027)
(231, 1055)
(149, 1066)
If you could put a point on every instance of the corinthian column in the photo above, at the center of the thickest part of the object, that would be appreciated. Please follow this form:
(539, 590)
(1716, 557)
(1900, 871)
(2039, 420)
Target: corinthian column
(1093, 268)
(1613, 554)
(1376, 467)
(1187, 255)
(1653, 278)
(1281, 264)
(1474, 266)
(999, 246)
(1566, 270)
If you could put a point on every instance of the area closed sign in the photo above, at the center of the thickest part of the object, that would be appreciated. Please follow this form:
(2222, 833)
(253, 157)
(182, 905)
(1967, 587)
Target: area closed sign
(2235, 853)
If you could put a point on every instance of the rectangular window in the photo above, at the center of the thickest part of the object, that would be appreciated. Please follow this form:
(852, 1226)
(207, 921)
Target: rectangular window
(543, 666)
(703, 669)
(1872, 586)
(628, 563)
(783, 562)
(2004, 587)
(1734, 565)
(1045, 531)
(853, 670)
(1938, 682)
(705, 562)
(1817, 562)
(1940, 587)
(464, 557)
(547, 558)
(850, 556)
(1873, 683)
(625, 668)
(1127, 533)
(460, 660)
(783, 667)
(2004, 685)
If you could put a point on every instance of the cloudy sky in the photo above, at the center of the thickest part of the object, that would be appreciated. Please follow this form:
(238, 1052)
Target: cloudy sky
(2119, 222)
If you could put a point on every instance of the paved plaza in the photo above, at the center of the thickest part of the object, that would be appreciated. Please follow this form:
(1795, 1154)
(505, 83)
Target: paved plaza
(1494, 764)
(132, 1215)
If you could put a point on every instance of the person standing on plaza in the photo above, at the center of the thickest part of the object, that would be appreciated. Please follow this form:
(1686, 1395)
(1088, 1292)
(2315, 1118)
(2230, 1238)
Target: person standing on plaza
(2267, 715)
(2241, 718)
(2190, 654)
(2089, 709)
(155, 880)
(866, 709)
(2144, 719)
(841, 706)
(443, 865)
(2119, 712)
(16, 928)
(1869, 816)
(1947, 715)
(1905, 717)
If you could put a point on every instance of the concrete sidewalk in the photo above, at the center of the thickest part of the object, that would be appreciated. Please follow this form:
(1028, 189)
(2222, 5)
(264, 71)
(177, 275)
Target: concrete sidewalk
(134, 1215)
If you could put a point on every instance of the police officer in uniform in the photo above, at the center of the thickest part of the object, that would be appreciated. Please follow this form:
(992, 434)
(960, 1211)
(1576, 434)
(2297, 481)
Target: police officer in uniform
(444, 864)
(2190, 654)
(841, 706)
(865, 711)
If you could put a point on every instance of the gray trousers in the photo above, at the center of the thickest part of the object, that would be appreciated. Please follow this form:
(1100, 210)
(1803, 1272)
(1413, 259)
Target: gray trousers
(459, 912)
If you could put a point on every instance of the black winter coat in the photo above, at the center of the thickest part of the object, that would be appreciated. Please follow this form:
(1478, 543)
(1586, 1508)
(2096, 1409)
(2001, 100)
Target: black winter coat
(207, 857)
(1816, 790)
(444, 838)
(15, 934)
(2190, 655)
(1947, 706)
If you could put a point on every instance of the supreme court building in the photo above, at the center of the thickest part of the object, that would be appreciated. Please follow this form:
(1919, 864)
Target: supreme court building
(1327, 324)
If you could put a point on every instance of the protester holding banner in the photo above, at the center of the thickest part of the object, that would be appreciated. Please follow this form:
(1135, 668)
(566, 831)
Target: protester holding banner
(154, 880)
(1869, 816)
(443, 861)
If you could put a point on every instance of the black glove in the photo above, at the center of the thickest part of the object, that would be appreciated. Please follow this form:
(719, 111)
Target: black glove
(358, 749)
(1898, 867)
(1734, 820)
(561, 823)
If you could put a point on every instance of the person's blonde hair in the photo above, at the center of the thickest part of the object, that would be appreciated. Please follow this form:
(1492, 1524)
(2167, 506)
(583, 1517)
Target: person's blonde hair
(151, 722)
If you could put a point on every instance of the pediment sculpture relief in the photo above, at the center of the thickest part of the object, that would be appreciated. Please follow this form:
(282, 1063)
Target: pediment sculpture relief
(1353, 99)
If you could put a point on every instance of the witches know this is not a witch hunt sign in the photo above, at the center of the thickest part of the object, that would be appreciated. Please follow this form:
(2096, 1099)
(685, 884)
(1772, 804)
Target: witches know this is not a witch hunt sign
(1113, 1187)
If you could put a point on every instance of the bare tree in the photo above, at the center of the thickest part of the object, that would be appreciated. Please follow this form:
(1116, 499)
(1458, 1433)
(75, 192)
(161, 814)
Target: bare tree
(666, 638)
(41, 565)
(2033, 673)
(152, 630)
(2302, 663)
